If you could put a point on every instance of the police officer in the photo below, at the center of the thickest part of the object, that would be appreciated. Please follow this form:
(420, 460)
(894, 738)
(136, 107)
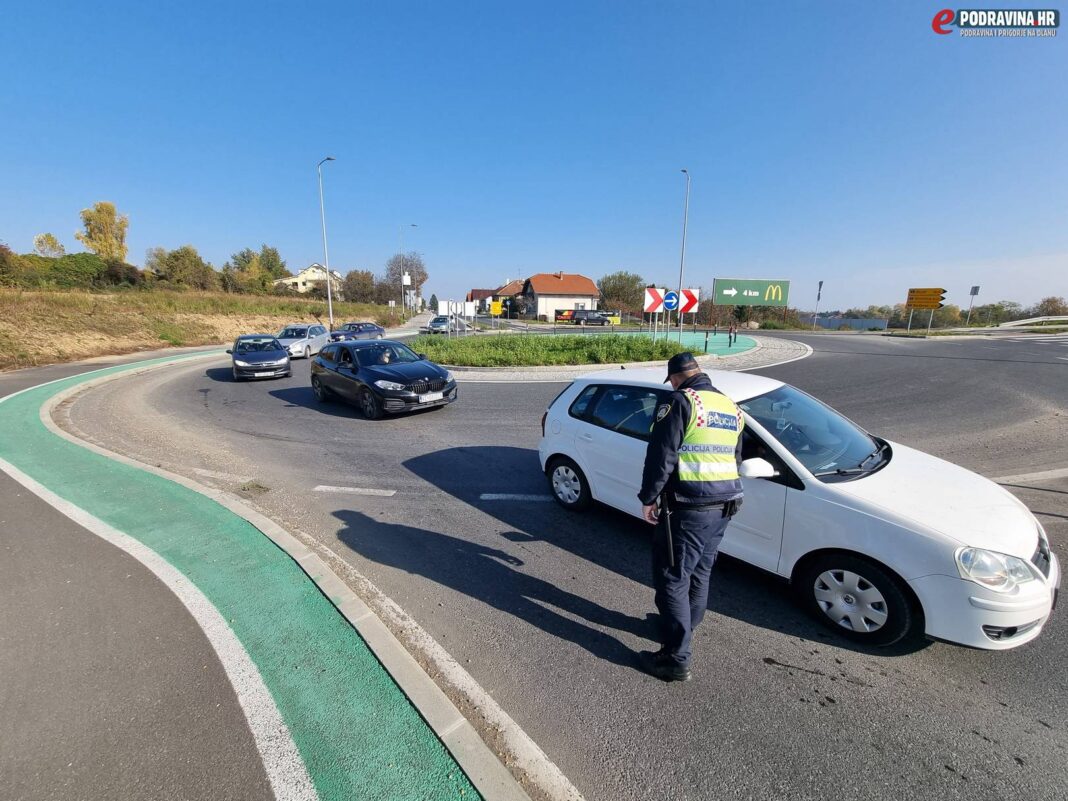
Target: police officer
(690, 490)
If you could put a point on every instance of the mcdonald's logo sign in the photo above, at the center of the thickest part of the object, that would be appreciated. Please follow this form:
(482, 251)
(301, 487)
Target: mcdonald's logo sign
(751, 292)
(773, 293)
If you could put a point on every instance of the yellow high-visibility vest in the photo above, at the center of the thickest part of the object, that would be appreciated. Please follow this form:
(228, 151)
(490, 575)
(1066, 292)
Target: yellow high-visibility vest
(710, 441)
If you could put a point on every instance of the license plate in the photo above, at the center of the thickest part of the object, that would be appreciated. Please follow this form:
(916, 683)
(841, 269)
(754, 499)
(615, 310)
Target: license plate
(261, 375)
(431, 397)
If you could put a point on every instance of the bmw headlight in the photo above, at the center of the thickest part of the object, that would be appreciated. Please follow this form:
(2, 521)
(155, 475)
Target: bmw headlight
(995, 571)
(448, 375)
(390, 385)
(240, 363)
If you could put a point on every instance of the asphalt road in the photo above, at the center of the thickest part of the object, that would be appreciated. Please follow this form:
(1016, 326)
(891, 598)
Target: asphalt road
(546, 609)
(108, 687)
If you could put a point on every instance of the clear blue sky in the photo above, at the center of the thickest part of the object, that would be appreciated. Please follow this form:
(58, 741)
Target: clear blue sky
(840, 141)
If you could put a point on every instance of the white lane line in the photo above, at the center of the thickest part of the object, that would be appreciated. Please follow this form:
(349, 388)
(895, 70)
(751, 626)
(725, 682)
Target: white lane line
(1042, 475)
(512, 496)
(200, 471)
(285, 769)
(356, 491)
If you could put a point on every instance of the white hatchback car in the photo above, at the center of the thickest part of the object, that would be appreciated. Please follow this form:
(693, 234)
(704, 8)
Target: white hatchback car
(882, 541)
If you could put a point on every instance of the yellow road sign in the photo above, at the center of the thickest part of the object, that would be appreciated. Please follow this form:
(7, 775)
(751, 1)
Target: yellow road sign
(495, 308)
(925, 298)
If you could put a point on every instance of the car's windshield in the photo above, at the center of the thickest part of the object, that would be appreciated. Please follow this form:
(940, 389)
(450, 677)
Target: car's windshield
(440, 320)
(385, 354)
(293, 333)
(258, 345)
(818, 437)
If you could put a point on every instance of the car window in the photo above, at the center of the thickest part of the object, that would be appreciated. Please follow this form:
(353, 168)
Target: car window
(582, 403)
(329, 353)
(818, 437)
(293, 333)
(380, 354)
(345, 356)
(626, 410)
(318, 330)
(753, 447)
(260, 345)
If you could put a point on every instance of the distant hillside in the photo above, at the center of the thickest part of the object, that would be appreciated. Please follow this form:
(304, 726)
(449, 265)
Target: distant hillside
(43, 327)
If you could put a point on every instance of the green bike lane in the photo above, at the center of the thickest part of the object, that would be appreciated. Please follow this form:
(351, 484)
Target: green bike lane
(356, 732)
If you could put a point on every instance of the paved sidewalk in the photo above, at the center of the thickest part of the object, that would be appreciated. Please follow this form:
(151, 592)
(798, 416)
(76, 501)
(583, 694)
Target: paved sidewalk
(766, 352)
(356, 733)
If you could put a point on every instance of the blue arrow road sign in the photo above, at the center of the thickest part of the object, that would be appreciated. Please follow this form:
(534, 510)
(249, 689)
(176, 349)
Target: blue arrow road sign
(671, 300)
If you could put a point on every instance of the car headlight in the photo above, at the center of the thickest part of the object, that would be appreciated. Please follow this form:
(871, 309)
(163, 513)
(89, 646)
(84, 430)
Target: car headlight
(448, 375)
(391, 385)
(240, 363)
(995, 571)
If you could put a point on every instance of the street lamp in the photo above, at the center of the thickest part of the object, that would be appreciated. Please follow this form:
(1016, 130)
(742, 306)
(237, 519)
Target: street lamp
(326, 252)
(682, 260)
(816, 314)
(400, 228)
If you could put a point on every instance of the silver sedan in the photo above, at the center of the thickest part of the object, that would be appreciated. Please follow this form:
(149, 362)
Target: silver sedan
(303, 340)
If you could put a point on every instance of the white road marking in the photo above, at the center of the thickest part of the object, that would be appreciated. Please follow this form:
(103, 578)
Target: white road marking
(285, 769)
(356, 491)
(1042, 475)
(200, 471)
(511, 496)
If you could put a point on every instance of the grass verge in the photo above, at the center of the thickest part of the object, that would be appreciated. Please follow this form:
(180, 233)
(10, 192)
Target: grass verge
(47, 326)
(523, 350)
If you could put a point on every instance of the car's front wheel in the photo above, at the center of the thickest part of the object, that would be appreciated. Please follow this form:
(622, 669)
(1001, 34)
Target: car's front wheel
(370, 405)
(859, 599)
(236, 376)
(569, 485)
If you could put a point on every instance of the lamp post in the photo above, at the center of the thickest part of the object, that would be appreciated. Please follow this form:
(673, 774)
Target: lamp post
(326, 252)
(682, 260)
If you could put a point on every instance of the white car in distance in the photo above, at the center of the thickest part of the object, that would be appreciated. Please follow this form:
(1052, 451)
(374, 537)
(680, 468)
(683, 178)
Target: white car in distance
(882, 542)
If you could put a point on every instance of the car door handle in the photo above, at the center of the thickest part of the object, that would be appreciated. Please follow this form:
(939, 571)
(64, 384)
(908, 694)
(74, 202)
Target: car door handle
(588, 437)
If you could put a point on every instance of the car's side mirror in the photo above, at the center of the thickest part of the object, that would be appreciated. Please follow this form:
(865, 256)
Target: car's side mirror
(229, 350)
(757, 468)
(421, 356)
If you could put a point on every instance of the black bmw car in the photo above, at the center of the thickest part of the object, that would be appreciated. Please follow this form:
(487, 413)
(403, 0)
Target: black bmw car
(380, 377)
(259, 356)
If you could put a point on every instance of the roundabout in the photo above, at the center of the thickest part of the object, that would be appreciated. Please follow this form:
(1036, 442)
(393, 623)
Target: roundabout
(443, 523)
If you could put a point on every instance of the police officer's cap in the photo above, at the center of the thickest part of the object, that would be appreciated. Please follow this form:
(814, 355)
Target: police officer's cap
(681, 363)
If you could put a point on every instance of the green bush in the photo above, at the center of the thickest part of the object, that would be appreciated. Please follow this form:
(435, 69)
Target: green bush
(773, 325)
(514, 350)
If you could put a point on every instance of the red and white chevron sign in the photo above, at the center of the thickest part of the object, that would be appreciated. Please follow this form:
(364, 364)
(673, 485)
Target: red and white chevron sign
(689, 300)
(654, 299)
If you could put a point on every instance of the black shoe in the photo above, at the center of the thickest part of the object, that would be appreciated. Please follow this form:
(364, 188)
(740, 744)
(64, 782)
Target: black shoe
(661, 665)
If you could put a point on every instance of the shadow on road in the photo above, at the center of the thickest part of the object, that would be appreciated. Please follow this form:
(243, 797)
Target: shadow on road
(305, 397)
(613, 540)
(490, 575)
(223, 374)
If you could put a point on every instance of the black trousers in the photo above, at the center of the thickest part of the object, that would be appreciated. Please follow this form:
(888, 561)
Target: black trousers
(682, 589)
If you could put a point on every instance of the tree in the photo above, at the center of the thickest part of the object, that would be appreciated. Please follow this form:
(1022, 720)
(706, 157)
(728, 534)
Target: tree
(48, 246)
(272, 263)
(622, 290)
(434, 303)
(1050, 307)
(10, 266)
(411, 263)
(358, 286)
(105, 231)
(182, 267)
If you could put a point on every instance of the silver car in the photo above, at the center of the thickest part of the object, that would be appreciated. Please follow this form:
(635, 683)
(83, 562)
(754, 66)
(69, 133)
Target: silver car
(303, 340)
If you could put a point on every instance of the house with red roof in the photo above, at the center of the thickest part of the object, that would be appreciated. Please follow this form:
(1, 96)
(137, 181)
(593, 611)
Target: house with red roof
(545, 294)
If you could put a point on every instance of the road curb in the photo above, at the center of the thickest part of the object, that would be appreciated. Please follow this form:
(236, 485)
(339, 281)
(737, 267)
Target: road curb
(485, 770)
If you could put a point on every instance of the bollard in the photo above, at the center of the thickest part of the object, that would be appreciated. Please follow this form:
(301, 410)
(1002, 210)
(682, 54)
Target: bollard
(706, 341)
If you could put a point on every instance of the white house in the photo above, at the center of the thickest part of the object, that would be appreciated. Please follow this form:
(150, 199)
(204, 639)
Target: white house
(310, 277)
(548, 293)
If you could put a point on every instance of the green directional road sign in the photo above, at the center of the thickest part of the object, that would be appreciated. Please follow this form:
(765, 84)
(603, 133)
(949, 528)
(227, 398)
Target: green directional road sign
(750, 292)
